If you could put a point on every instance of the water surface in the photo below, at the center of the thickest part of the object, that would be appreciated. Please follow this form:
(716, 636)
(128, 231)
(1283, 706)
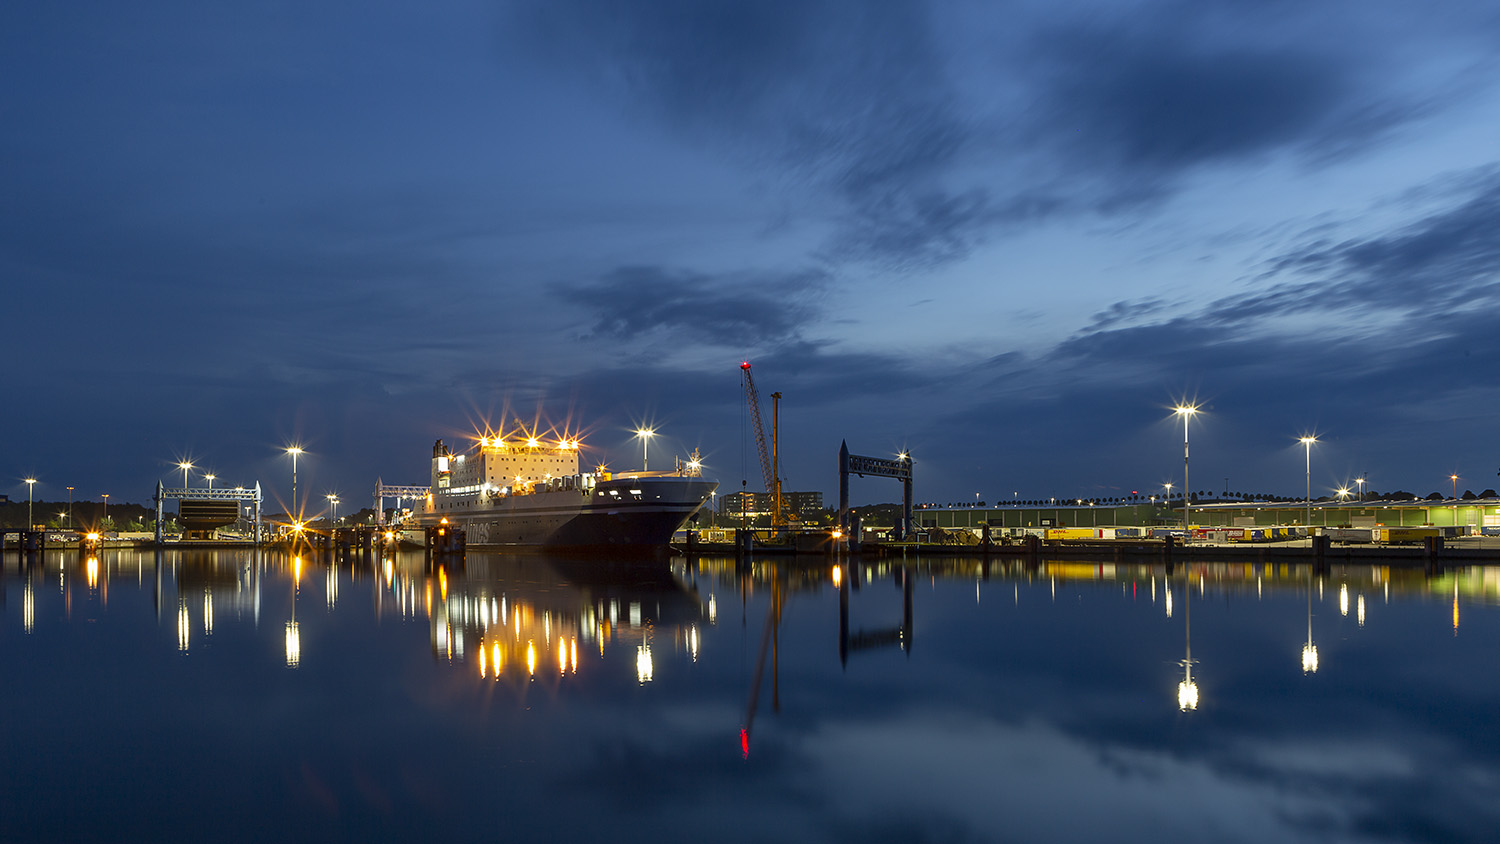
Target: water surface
(243, 695)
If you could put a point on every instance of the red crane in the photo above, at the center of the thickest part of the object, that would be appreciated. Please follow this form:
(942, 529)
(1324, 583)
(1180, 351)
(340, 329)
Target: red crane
(768, 461)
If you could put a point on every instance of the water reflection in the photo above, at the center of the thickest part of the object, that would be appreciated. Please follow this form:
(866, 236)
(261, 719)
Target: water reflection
(1187, 690)
(637, 692)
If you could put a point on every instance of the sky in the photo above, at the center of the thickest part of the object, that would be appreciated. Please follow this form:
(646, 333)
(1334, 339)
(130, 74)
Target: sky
(1005, 237)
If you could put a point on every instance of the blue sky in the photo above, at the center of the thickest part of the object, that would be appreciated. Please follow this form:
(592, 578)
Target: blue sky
(1005, 237)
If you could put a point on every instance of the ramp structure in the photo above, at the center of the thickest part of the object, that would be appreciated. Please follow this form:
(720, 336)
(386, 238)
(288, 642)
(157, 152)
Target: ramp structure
(900, 469)
(204, 509)
(401, 493)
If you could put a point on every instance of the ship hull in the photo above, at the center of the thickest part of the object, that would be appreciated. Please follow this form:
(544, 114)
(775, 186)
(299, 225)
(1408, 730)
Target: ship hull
(623, 514)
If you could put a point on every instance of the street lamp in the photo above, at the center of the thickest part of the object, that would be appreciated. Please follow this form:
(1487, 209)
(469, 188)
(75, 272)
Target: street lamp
(294, 451)
(1307, 443)
(645, 434)
(105, 517)
(333, 499)
(184, 466)
(210, 478)
(30, 522)
(1186, 412)
(1360, 481)
(1454, 479)
(70, 507)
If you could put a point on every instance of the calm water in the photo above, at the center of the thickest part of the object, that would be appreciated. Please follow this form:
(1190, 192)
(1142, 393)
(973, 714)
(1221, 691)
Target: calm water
(240, 696)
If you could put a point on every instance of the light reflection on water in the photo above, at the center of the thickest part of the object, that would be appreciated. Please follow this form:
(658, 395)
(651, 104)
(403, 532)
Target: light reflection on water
(955, 699)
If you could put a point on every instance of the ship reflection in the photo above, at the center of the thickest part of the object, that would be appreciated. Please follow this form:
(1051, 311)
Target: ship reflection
(524, 618)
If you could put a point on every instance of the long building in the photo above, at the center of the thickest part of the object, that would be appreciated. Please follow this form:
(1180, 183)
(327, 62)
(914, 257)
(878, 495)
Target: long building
(1477, 513)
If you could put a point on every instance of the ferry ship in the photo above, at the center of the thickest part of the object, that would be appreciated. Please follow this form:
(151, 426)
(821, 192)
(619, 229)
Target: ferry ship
(524, 491)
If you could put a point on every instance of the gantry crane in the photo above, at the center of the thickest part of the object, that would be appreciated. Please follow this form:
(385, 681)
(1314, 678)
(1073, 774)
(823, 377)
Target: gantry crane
(769, 463)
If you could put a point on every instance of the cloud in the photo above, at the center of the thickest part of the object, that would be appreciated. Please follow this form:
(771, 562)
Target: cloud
(852, 98)
(1445, 260)
(740, 310)
(1163, 104)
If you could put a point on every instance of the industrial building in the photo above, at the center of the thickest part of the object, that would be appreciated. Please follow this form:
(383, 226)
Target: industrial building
(1476, 514)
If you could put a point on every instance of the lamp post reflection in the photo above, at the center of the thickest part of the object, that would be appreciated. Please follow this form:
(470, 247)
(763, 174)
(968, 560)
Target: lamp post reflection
(293, 634)
(28, 607)
(1309, 650)
(184, 625)
(1187, 690)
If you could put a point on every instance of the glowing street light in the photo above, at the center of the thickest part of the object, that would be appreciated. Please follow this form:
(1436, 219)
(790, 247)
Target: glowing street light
(333, 499)
(30, 522)
(1307, 442)
(210, 476)
(184, 466)
(105, 517)
(70, 507)
(1360, 482)
(1186, 412)
(645, 434)
(294, 451)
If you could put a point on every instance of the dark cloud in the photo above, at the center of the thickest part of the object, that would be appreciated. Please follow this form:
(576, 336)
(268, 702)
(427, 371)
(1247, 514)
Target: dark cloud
(851, 97)
(1163, 105)
(1446, 258)
(743, 310)
(1441, 266)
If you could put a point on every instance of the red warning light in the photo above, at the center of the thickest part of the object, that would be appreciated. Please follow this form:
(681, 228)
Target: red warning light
(744, 743)
(745, 365)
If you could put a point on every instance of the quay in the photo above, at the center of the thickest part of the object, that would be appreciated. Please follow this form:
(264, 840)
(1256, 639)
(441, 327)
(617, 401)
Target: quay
(1320, 549)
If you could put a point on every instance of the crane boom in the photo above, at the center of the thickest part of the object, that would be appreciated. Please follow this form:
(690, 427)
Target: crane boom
(773, 484)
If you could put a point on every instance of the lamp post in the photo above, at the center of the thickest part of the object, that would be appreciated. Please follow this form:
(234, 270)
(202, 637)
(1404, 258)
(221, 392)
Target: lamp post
(184, 466)
(294, 451)
(210, 477)
(1307, 443)
(70, 508)
(645, 434)
(103, 518)
(1186, 412)
(1454, 479)
(1360, 482)
(30, 522)
(333, 500)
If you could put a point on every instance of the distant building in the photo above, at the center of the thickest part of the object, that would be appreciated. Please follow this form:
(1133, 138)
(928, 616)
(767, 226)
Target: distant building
(807, 506)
